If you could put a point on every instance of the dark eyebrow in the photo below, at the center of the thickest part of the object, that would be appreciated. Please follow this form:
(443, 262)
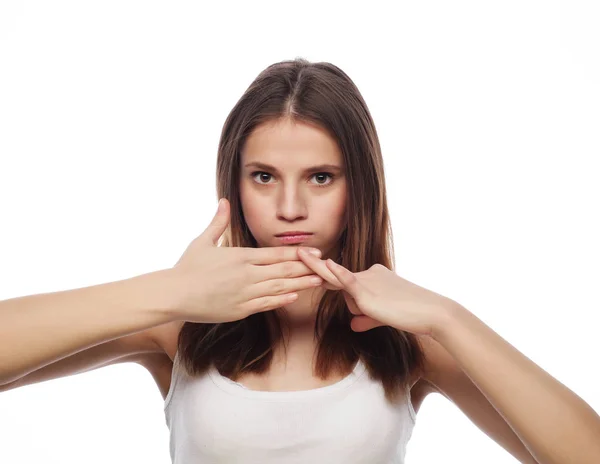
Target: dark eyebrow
(320, 167)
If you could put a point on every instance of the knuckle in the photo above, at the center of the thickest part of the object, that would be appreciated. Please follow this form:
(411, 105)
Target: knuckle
(266, 304)
(289, 269)
(245, 309)
(261, 305)
(254, 306)
(279, 287)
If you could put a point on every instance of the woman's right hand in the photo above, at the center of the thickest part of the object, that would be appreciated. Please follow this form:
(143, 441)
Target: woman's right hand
(223, 284)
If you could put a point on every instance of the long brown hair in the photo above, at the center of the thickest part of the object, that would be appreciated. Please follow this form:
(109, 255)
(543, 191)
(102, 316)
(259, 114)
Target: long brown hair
(321, 94)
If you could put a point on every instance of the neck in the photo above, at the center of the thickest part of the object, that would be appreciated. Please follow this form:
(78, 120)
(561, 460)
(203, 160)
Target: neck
(298, 322)
(298, 318)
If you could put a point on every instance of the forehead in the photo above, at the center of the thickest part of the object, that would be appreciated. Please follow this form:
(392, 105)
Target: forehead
(285, 141)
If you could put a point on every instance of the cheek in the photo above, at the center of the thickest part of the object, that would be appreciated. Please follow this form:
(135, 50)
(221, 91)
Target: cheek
(336, 210)
(340, 204)
(253, 211)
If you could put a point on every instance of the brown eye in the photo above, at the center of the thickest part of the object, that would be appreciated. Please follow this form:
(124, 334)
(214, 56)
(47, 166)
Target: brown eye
(261, 175)
(264, 177)
(321, 177)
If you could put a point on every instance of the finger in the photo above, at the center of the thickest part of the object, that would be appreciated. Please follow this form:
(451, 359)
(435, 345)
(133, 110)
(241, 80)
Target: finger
(219, 223)
(328, 286)
(320, 268)
(364, 323)
(272, 255)
(282, 286)
(266, 303)
(287, 269)
(346, 278)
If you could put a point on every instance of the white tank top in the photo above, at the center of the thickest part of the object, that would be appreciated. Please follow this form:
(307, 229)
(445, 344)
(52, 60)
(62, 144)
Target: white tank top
(212, 419)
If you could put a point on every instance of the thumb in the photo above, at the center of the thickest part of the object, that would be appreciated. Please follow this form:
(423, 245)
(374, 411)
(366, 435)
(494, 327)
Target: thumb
(364, 323)
(219, 223)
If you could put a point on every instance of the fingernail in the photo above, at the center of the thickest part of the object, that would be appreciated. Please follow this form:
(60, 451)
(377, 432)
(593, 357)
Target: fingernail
(315, 251)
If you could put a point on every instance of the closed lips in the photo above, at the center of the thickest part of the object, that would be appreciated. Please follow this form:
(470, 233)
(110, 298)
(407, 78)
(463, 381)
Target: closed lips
(295, 232)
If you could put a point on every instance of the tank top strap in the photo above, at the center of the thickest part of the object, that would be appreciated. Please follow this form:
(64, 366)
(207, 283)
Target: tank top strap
(175, 376)
(411, 411)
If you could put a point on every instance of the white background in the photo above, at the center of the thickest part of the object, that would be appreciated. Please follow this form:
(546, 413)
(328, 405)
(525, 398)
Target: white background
(487, 112)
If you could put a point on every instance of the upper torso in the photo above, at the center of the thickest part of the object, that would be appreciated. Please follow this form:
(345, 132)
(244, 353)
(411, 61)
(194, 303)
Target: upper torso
(211, 417)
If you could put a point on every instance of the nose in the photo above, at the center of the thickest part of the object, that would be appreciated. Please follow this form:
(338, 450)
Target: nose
(291, 204)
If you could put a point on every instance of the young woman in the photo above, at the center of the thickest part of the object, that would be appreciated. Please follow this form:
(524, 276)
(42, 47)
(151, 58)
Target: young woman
(259, 364)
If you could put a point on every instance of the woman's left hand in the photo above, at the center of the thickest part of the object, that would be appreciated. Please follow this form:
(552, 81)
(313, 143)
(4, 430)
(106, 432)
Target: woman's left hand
(378, 297)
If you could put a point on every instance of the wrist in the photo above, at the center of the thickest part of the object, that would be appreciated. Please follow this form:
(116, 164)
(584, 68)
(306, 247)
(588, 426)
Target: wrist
(158, 292)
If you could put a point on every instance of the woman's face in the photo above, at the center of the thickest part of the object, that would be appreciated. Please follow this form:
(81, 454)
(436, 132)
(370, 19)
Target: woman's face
(284, 185)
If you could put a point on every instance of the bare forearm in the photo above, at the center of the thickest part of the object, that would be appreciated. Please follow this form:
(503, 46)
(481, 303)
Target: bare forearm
(37, 330)
(555, 424)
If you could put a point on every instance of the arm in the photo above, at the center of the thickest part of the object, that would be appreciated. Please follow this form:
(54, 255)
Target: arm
(555, 424)
(38, 330)
(443, 375)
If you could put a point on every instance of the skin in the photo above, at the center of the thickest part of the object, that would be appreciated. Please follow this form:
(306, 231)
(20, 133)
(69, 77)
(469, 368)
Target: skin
(293, 197)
